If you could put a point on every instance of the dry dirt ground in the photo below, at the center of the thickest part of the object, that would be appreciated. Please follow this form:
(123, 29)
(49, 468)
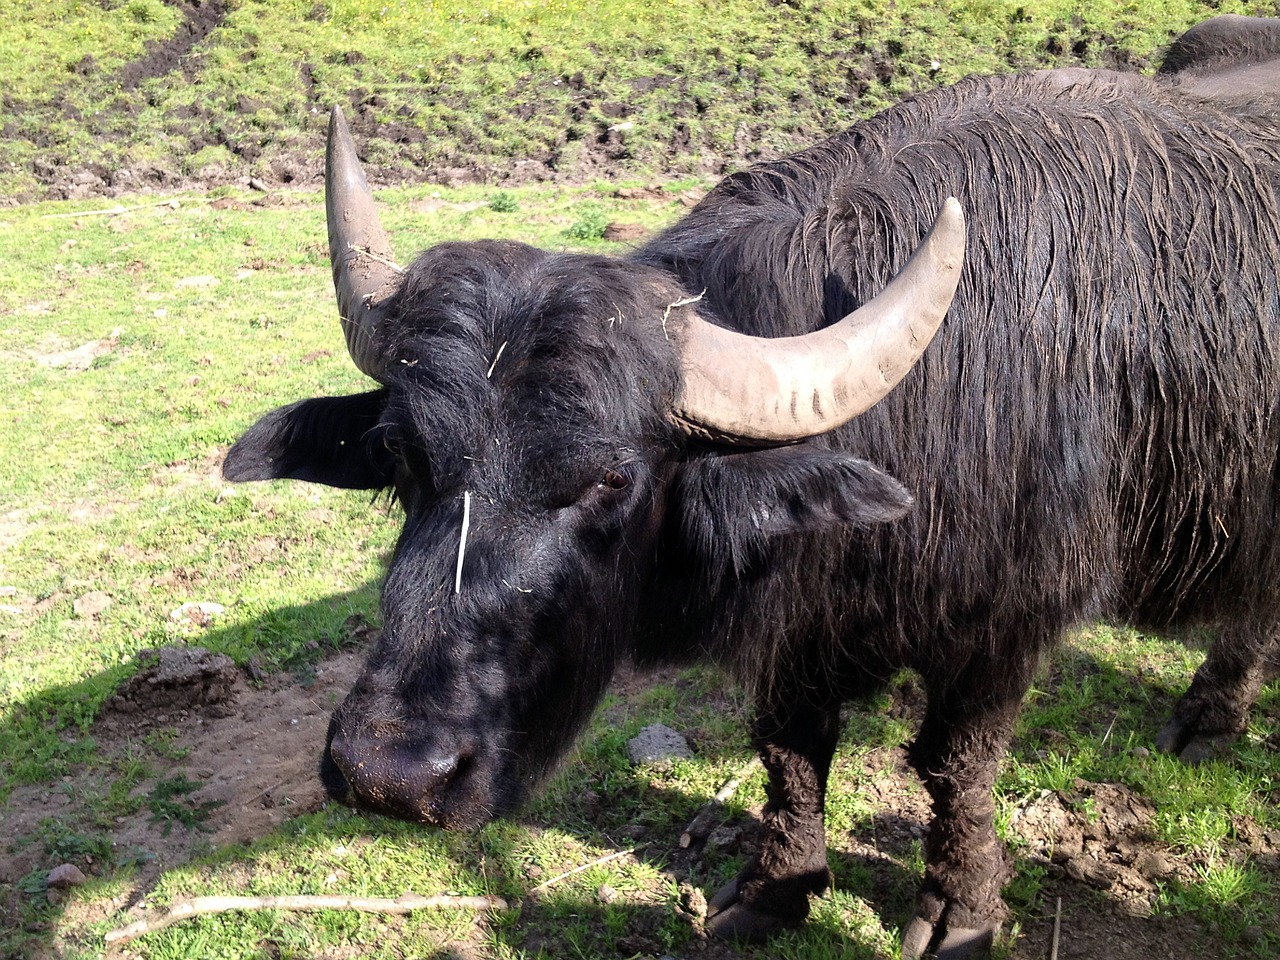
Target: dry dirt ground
(251, 746)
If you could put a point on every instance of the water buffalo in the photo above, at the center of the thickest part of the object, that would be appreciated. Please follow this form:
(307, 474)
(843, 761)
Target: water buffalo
(1227, 56)
(653, 458)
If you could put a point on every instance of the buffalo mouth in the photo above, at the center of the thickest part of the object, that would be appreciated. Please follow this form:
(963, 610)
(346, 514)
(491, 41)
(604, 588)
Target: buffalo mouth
(420, 784)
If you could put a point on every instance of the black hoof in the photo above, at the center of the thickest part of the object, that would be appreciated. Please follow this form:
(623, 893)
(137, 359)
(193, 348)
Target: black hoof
(922, 938)
(915, 939)
(728, 918)
(1183, 741)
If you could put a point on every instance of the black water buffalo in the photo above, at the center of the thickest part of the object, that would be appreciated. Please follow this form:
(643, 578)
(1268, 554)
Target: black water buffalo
(1227, 56)
(654, 458)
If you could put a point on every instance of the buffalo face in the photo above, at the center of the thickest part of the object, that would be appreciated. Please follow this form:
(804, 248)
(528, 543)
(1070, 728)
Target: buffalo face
(548, 499)
(503, 620)
(531, 469)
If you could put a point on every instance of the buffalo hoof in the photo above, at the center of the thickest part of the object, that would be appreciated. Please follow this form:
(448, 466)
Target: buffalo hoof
(922, 938)
(728, 918)
(1183, 741)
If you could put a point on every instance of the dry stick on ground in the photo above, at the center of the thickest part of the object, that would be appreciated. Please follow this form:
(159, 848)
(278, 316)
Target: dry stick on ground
(699, 827)
(1057, 931)
(202, 906)
(115, 211)
(586, 866)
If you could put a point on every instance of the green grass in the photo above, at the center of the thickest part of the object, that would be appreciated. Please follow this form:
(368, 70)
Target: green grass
(212, 308)
(562, 88)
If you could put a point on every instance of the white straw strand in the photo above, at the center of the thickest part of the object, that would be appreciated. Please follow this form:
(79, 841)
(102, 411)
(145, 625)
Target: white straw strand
(496, 357)
(462, 542)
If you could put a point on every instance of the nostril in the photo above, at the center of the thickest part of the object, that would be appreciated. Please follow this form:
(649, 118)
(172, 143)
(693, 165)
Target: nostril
(439, 771)
(340, 750)
(333, 766)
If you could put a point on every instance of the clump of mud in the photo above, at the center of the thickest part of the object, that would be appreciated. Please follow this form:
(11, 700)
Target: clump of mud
(178, 678)
(1100, 834)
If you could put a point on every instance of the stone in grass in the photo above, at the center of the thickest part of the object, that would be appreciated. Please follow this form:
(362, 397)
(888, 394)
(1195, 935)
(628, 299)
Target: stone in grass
(64, 876)
(658, 744)
(197, 614)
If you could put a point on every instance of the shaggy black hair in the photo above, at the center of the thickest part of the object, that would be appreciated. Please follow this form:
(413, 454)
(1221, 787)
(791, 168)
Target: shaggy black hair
(1093, 431)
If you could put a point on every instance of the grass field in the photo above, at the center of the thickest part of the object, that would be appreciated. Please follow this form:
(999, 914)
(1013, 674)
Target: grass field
(117, 95)
(144, 332)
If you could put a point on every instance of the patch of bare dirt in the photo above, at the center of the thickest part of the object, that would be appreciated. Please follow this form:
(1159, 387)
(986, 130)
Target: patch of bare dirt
(237, 756)
(199, 471)
(80, 358)
(254, 749)
(199, 18)
(15, 525)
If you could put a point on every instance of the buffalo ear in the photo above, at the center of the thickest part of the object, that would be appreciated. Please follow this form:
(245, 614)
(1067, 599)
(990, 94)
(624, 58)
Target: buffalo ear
(331, 440)
(731, 503)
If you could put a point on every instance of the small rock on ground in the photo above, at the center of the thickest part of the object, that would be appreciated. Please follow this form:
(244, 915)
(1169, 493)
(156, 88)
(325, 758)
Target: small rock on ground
(65, 875)
(656, 744)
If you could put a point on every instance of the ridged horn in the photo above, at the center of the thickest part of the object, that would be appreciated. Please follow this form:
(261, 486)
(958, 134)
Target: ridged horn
(364, 268)
(760, 390)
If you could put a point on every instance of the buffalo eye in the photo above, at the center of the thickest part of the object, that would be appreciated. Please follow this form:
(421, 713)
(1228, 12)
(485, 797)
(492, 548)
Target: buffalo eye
(615, 480)
(391, 440)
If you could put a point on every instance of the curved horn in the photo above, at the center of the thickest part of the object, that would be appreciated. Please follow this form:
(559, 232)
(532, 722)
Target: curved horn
(767, 390)
(364, 269)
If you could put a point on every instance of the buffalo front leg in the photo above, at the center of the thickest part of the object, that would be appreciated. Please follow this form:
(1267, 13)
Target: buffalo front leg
(1215, 709)
(966, 730)
(796, 744)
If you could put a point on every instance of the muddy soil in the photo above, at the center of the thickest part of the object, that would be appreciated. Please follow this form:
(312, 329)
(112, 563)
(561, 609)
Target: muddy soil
(238, 757)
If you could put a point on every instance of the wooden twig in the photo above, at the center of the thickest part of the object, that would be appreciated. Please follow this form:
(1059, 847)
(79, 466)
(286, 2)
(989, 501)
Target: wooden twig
(203, 906)
(699, 827)
(679, 303)
(586, 866)
(462, 540)
(115, 211)
(1057, 931)
(496, 357)
(1111, 726)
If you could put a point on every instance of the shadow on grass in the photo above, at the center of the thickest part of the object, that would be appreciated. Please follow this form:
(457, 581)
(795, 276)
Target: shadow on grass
(1091, 701)
(107, 791)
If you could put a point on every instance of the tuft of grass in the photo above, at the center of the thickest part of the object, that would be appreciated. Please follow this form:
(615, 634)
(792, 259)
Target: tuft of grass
(590, 224)
(503, 201)
(1233, 899)
(168, 804)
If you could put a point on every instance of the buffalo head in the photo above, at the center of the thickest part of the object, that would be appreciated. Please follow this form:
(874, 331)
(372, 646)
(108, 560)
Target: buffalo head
(565, 433)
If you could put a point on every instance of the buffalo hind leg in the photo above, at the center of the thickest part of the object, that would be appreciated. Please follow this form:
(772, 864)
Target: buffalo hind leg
(966, 730)
(1215, 709)
(796, 744)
